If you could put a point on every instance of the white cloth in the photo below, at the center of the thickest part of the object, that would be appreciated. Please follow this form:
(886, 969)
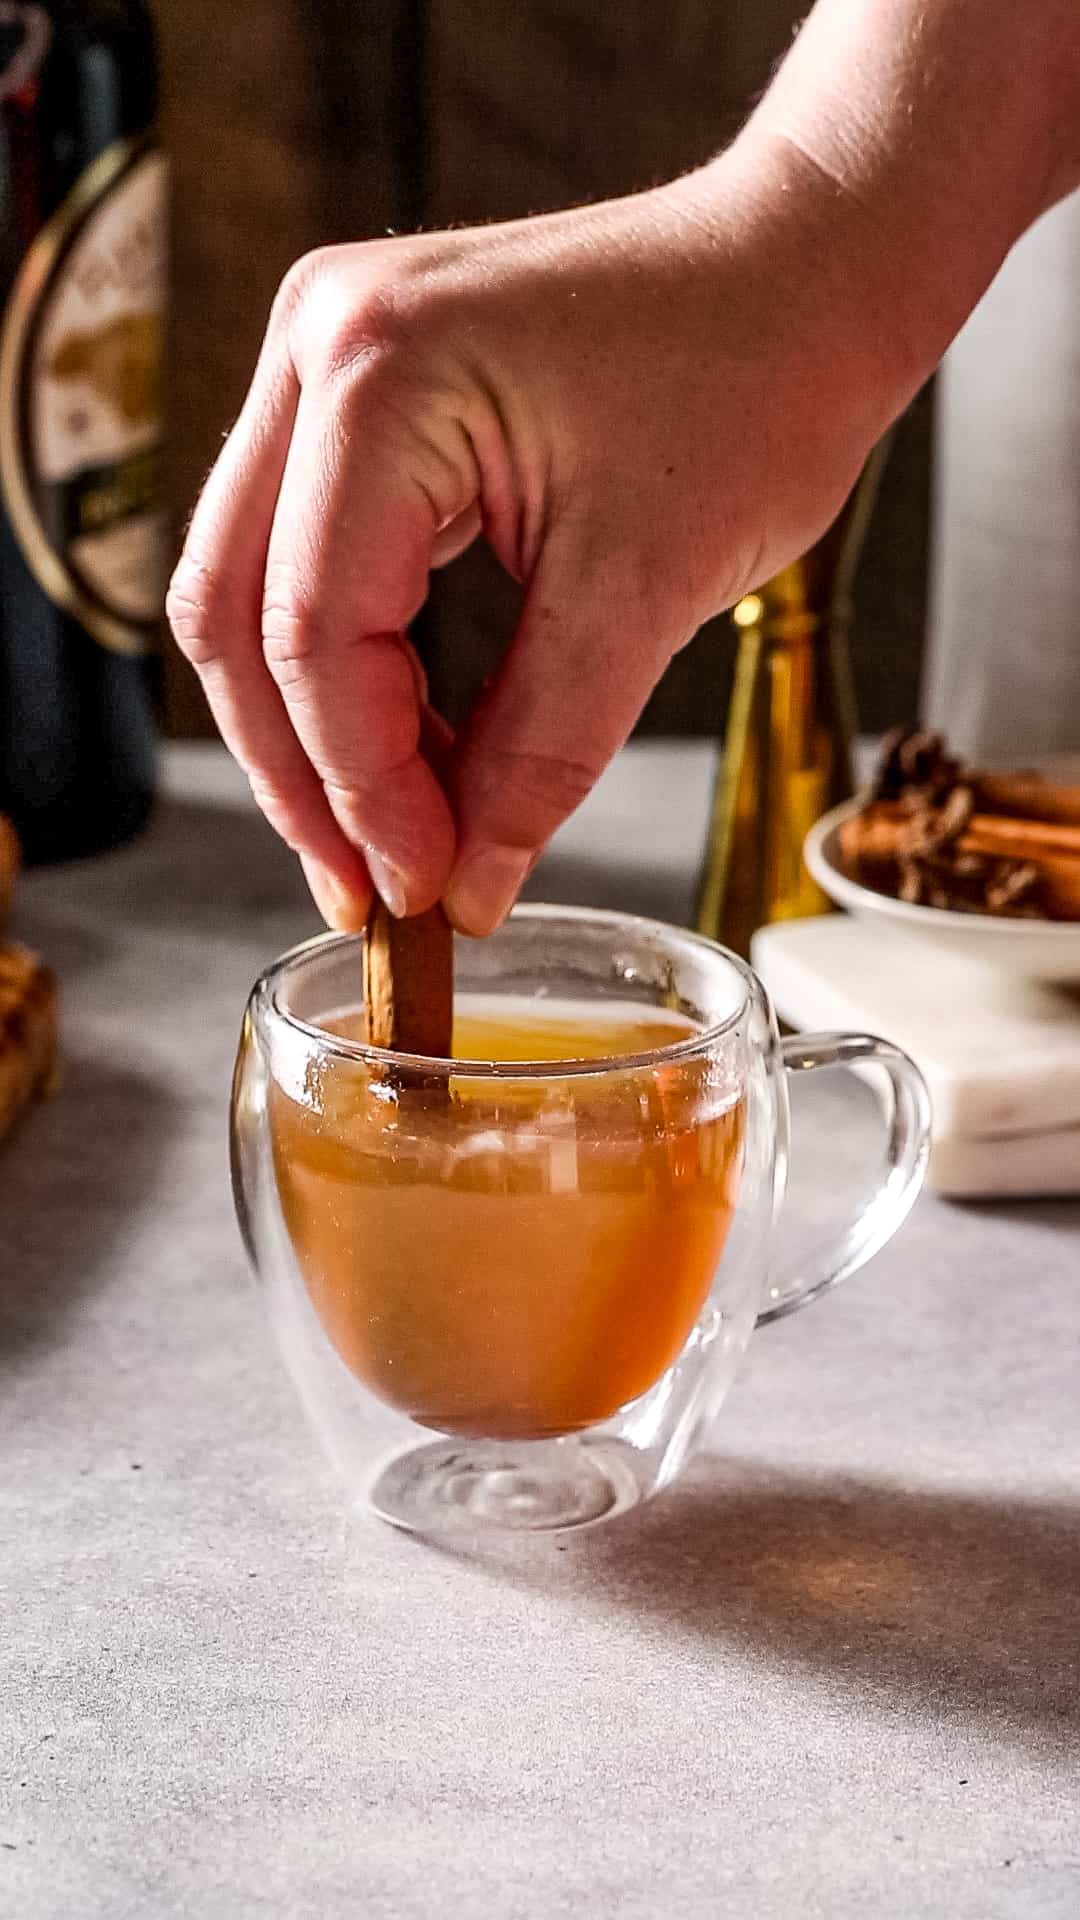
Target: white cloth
(1003, 667)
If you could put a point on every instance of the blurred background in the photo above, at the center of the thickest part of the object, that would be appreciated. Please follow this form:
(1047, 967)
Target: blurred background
(294, 123)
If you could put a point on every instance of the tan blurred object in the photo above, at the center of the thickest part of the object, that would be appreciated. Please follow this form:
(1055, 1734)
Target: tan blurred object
(121, 363)
(29, 1005)
(10, 859)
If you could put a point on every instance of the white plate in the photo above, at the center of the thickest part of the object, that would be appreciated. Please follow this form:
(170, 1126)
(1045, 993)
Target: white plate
(1037, 949)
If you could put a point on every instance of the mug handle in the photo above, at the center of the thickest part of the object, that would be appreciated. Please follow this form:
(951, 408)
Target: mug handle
(907, 1150)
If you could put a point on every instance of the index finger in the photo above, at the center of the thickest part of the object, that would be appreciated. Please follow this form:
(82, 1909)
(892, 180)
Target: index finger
(214, 609)
(347, 569)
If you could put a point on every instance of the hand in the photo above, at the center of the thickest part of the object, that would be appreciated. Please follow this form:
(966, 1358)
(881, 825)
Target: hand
(645, 408)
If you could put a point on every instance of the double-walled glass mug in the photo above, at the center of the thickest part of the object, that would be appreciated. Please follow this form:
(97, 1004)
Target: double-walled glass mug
(513, 1287)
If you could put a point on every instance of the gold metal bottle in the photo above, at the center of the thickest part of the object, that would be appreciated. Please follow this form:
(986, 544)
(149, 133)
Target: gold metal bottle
(787, 751)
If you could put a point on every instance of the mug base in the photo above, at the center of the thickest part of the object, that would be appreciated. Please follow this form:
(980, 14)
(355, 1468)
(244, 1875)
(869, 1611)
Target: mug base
(488, 1486)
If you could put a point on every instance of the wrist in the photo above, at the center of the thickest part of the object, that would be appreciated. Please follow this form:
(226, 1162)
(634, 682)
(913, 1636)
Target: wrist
(761, 212)
(895, 159)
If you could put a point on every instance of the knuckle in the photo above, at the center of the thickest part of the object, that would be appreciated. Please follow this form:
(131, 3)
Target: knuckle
(296, 288)
(194, 609)
(378, 326)
(277, 802)
(293, 636)
(541, 787)
(361, 328)
(347, 307)
(349, 795)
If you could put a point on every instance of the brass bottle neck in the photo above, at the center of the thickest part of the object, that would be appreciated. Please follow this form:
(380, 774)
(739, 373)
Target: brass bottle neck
(784, 624)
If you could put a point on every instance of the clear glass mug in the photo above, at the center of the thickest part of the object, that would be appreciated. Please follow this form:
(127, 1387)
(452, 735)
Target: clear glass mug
(513, 1295)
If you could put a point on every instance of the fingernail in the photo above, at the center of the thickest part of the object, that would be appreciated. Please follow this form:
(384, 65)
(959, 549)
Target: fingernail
(342, 910)
(483, 890)
(389, 882)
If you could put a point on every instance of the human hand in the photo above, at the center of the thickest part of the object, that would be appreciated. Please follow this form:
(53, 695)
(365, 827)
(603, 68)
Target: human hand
(644, 406)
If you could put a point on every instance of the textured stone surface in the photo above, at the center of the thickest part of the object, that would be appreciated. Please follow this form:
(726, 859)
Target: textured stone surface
(835, 1674)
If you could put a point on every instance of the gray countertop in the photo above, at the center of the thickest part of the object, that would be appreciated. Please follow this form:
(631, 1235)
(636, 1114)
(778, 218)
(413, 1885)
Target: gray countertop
(835, 1673)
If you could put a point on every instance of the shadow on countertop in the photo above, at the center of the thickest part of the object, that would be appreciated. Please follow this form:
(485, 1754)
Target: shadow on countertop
(225, 864)
(200, 867)
(1053, 1213)
(949, 1602)
(209, 866)
(71, 1178)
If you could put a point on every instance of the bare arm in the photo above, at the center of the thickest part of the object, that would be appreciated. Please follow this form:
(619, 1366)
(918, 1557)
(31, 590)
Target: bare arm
(938, 130)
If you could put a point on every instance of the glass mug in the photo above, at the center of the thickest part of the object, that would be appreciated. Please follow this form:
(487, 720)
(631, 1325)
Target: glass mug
(513, 1288)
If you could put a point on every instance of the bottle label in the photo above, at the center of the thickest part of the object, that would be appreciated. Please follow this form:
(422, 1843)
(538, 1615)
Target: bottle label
(80, 400)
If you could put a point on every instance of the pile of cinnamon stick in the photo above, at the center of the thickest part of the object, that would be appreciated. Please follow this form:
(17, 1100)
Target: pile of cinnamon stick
(940, 834)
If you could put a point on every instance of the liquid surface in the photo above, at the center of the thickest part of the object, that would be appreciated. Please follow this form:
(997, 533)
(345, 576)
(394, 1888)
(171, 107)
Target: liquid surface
(512, 1258)
(521, 1029)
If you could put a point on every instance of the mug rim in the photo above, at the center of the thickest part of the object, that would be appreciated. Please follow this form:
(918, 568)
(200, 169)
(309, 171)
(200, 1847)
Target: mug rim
(266, 1001)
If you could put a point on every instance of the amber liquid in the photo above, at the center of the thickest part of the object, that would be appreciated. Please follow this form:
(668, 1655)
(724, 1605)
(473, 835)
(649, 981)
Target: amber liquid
(516, 1259)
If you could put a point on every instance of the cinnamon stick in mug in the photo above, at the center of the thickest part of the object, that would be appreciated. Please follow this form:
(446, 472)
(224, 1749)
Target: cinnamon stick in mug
(409, 964)
(409, 982)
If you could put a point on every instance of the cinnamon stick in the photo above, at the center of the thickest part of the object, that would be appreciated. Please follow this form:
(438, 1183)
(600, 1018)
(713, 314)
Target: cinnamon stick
(1053, 850)
(875, 843)
(1025, 796)
(409, 982)
(1022, 839)
(883, 831)
(409, 964)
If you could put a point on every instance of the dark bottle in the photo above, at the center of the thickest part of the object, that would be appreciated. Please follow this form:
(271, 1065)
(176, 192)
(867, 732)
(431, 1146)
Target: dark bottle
(83, 535)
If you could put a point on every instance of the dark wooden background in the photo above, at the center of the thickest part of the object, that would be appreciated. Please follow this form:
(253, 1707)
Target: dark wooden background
(292, 123)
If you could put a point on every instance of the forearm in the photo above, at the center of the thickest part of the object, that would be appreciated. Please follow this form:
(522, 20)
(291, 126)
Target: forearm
(912, 141)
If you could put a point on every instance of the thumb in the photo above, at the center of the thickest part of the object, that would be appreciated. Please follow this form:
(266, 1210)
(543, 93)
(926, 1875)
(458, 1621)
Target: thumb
(589, 648)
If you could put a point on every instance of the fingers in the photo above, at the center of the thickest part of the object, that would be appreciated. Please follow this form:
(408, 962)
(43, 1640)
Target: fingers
(459, 533)
(361, 499)
(215, 610)
(346, 909)
(307, 555)
(587, 654)
(352, 471)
